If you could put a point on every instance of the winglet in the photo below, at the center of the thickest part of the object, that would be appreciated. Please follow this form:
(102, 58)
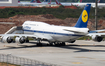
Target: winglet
(49, 2)
(58, 3)
(38, 1)
(84, 17)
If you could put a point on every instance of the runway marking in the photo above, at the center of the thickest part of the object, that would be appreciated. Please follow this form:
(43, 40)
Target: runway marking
(77, 63)
(85, 57)
(91, 58)
(81, 57)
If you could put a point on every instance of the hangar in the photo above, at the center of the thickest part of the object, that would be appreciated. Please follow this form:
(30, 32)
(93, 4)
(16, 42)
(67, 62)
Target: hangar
(8, 2)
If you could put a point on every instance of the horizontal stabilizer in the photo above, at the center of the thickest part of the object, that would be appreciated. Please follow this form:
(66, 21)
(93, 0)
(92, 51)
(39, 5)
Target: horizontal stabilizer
(73, 31)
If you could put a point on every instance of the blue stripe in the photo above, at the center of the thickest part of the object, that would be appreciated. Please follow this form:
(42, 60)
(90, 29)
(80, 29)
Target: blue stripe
(52, 33)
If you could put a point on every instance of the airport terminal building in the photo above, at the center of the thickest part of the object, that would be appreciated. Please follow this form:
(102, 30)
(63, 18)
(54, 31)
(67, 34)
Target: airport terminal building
(8, 2)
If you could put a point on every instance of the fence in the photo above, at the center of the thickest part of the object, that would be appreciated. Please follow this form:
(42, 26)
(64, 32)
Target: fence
(9, 59)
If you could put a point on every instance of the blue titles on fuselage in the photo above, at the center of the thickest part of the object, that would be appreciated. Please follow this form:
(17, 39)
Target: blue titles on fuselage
(27, 27)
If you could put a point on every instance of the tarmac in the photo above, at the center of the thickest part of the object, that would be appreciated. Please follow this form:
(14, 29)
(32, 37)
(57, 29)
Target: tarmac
(80, 53)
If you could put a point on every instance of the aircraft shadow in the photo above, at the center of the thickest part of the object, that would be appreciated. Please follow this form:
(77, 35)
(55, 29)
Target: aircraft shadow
(79, 48)
(25, 46)
(82, 48)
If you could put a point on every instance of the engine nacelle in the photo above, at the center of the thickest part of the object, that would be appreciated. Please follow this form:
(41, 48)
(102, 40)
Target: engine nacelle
(20, 39)
(97, 38)
(7, 39)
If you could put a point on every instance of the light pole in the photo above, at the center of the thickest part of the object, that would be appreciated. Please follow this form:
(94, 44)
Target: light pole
(96, 14)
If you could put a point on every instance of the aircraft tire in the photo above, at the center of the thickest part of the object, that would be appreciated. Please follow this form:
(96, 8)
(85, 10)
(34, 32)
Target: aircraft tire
(27, 41)
(39, 44)
(63, 44)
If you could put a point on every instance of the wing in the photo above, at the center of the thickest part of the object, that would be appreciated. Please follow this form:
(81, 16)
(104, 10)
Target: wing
(18, 35)
(95, 31)
(98, 37)
(96, 34)
(73, 31)
(21, 38)
(28, 35)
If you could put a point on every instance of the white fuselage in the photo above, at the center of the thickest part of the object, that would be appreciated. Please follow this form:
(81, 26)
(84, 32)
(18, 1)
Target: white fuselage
(53, 33)
(34, 4)
(100, 5)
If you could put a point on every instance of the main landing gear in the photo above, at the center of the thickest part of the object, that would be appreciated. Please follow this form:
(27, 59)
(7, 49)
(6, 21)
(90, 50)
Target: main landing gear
(51, 44)
(58, 44)
(27, 40)
(39, 42)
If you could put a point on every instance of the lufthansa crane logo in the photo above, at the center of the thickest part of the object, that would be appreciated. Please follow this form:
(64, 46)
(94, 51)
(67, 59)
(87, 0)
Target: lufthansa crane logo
(84, 16)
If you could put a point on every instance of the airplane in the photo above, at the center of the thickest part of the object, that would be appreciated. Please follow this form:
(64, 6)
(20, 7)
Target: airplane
(54, 34)
(50, 2)
(44, 3)
(38, 1)
(66, 3)
(31, 3)
(100, 5)
(35, 3)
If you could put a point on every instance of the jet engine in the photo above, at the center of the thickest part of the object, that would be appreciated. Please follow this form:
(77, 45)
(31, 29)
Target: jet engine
(7, 39)
(97, 38)
(20, 39)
